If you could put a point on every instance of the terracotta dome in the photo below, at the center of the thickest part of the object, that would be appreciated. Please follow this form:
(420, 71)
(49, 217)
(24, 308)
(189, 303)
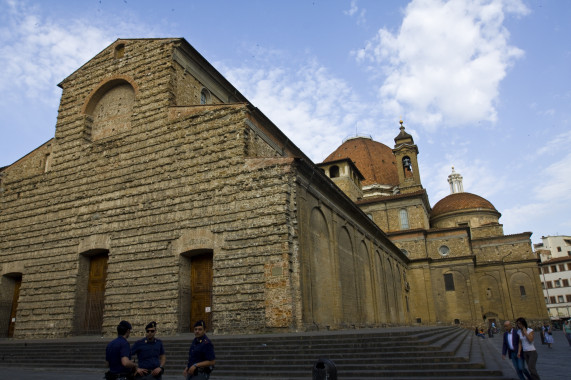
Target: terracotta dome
(461, 201)
(374, 160)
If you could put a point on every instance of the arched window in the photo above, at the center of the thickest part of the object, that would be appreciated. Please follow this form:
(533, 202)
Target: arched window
(334, 171)
(403, 214)
(407, 164)
(204, 96)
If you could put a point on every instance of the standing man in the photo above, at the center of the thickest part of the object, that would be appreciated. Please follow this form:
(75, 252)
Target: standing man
(150, 354)
(201, 356)
(510, 346)
(118, 355)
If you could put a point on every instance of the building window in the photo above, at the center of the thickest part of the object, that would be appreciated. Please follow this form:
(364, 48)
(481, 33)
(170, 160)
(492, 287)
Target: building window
(568, 253)
(403, 219)
(543, 285)
(444, 250)
(405, 252)
(560, 299)
(370, 216)
(561, 267)
(558, 249)
(448, 282)
(568, 296)
(546, 270)
(554, 269)
(119, 51)
(557, 283)
(546, 300)
(549, 285)
(552, 300)
(565, 282)
(334, 171)
(522, 290)
(204, 96)
(569, 266)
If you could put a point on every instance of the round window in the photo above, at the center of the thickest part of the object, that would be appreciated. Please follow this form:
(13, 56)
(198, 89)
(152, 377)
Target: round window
(444, 250)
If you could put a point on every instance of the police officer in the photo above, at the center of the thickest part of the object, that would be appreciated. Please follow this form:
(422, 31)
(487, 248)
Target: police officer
(118, 355)
(150, 354)
(201, 356)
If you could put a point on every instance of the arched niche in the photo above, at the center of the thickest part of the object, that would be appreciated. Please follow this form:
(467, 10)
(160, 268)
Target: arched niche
(109, 108)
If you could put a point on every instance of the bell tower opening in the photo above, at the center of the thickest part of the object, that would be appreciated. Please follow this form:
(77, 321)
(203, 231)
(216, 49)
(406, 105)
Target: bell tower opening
(406, 153)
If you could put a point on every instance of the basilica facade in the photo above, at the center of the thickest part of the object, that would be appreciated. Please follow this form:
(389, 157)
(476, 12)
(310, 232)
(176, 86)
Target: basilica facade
(166, 195)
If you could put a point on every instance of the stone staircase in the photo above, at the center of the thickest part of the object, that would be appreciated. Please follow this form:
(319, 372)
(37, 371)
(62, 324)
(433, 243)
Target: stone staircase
(391, 353)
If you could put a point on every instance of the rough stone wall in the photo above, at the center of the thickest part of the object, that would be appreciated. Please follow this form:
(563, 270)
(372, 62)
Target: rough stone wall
(349, 276)
(457, 303)
(457, 242)
(474, 219)
(349, 187)
(504, 249)
(34, 163)
(143, 190)
(487, 231)
(187, 88)
(386, 214)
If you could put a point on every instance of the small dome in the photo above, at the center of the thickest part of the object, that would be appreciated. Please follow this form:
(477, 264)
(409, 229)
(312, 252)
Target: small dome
(459, 202)
(374, 160)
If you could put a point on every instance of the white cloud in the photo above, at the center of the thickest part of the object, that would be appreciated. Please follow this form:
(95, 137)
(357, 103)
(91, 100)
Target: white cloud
(354, 10)
(479, 177)
(351, 11)
(445, 63)
(556, 145)
(38, 51)
(305, 101)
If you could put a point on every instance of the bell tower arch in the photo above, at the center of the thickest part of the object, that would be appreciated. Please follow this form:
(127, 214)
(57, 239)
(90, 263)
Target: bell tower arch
(406, 153)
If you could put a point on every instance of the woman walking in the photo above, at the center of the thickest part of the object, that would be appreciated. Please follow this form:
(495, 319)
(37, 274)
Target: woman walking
(526, 347)
(567, 330)
(548, 335)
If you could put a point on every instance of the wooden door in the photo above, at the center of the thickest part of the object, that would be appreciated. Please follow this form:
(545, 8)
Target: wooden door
(95, 295)
(12, 325)
(201, 289)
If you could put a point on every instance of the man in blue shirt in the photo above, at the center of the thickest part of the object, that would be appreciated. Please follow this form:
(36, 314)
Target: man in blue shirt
(201, 356)
(118, 355)
(150, 353)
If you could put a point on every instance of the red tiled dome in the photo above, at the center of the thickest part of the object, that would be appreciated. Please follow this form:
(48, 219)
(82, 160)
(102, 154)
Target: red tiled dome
(461, 201)
(374, 160)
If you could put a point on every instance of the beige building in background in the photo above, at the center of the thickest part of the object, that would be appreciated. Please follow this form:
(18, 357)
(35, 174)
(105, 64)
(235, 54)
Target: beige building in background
(555, 274)
(165, 195)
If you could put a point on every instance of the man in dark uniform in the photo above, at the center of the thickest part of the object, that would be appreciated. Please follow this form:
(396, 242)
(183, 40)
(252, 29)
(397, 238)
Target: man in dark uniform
(201, 356)
(118, 355)
(150, 353)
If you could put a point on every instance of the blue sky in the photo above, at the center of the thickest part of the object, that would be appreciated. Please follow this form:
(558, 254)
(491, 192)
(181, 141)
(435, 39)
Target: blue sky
(484, 86)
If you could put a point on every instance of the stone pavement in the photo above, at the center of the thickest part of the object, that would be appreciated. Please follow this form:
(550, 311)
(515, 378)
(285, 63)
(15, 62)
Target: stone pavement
(552, 363)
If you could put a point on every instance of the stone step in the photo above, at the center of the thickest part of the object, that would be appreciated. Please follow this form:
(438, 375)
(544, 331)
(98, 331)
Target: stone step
(446, 353)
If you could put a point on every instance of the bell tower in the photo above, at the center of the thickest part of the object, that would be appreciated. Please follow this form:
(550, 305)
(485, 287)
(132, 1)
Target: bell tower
(406, 153)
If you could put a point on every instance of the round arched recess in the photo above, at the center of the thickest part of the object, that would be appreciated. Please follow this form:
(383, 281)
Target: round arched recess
(109, 108)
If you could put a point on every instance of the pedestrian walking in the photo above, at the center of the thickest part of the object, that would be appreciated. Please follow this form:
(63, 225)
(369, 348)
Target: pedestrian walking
(510, 347)
(526, 349)
(548, 334)
(567, 330)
